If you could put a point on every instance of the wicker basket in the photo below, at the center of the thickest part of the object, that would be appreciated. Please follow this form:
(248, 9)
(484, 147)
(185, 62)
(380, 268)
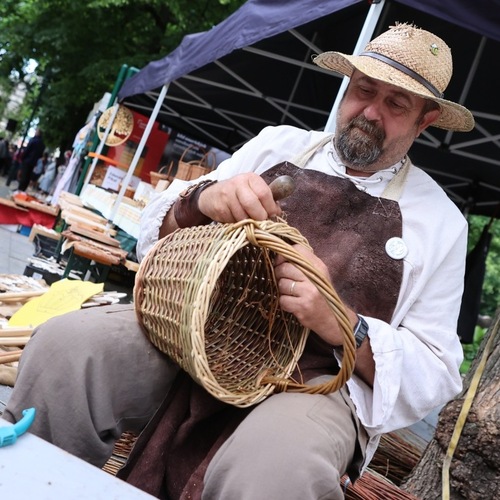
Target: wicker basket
(164, 174)
(190, 170)
(207, 297)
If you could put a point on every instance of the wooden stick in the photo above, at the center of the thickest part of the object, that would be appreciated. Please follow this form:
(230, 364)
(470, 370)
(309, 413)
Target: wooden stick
(10, 357)
(14, 341)
(21, 295)
(15, 331)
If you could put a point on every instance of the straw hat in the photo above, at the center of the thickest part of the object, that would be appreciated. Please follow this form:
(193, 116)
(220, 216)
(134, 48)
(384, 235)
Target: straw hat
(413, 59)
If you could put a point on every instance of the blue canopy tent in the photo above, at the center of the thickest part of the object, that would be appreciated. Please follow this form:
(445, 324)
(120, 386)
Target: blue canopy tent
(254, 69)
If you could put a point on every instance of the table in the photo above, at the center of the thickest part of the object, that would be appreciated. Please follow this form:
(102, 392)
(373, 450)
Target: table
(91, 256)
(34, 468)
(128, 214)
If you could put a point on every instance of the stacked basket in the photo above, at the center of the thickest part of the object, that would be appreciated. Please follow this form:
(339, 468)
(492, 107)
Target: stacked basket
(186, 170)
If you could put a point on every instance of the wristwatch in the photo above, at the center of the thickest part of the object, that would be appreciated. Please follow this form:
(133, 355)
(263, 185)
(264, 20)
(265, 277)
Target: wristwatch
(360, 331)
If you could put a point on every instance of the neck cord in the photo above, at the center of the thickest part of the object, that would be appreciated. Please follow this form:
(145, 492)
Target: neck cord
(341, 170)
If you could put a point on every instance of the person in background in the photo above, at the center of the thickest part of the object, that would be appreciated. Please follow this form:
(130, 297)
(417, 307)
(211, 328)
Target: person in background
(47, 179)
(10, 160)
(62, 164)
(34, 150)
(388, 238)
(5, 156)
(38, 170)
(17, 156)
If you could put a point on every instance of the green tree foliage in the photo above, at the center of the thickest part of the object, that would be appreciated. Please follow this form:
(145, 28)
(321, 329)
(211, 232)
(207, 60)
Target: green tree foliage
(471, 350)
(80, 48)
(491, 286)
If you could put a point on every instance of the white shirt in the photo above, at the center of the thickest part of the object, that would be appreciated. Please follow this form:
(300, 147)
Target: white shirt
(418, 355)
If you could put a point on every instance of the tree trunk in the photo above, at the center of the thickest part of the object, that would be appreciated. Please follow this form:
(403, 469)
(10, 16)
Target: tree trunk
(475, 468)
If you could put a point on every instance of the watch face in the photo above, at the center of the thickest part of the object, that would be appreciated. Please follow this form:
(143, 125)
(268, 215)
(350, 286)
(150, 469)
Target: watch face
(361, 331)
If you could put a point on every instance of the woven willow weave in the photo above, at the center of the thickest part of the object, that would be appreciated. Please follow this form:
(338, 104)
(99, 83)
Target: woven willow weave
(207, 297)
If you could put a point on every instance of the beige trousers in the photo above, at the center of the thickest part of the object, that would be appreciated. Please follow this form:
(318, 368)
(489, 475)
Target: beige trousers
(92, 374)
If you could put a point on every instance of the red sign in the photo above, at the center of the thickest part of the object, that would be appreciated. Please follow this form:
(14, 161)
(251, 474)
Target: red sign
(152, 152)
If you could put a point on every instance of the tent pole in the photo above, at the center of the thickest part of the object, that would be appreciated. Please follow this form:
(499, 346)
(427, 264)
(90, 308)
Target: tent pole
(365, 36)
(138, 152)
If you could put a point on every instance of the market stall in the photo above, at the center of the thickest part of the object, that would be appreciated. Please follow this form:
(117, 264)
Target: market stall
(216, 85)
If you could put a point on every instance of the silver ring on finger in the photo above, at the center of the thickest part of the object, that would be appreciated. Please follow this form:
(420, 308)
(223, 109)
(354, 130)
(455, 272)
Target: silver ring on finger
(292, 287)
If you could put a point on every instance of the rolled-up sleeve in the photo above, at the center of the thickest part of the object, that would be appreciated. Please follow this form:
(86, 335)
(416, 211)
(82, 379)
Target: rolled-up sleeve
(153, 214)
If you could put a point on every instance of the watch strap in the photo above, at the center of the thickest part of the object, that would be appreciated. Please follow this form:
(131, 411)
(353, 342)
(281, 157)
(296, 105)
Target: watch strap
(186, 210)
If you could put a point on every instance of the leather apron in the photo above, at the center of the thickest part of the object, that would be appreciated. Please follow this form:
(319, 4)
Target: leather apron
(348, 229)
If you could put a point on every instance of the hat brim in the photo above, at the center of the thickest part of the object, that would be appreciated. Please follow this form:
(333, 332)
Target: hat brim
(453, 116)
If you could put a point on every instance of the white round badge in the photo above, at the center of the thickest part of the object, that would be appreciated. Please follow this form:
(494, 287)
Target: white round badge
(396, 248)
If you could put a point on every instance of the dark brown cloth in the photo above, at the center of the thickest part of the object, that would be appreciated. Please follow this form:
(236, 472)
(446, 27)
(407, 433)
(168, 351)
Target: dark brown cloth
(170, 457)
(347, 229)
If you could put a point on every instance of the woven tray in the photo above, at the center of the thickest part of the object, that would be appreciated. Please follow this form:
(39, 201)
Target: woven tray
(207, 297)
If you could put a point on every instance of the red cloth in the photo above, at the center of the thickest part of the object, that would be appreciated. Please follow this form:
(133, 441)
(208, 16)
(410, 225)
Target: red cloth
(29, 217)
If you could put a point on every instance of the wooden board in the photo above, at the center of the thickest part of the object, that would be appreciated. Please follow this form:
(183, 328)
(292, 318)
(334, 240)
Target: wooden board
(83, 212)
(11, 204)
(93, 235)
(132, 266)
(70, 198)
(38, 229)
(71, 218)
(36, 205)
(99, 254)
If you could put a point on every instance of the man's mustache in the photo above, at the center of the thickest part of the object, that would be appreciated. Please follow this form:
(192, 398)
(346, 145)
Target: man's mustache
(368, 127)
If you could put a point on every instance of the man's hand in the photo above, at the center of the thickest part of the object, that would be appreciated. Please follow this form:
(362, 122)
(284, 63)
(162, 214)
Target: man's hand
(245, 196)
(301, 297)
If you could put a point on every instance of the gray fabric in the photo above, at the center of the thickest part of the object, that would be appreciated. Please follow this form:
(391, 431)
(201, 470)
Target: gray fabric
(290, 446)
(105, 377)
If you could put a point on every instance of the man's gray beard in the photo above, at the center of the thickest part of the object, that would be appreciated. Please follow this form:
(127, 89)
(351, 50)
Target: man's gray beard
(363, 151)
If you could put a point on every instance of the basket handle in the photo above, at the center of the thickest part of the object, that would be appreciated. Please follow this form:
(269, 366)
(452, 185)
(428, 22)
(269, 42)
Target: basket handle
(204, 162)
(258, 235)
(191, 146)
(168, 168)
